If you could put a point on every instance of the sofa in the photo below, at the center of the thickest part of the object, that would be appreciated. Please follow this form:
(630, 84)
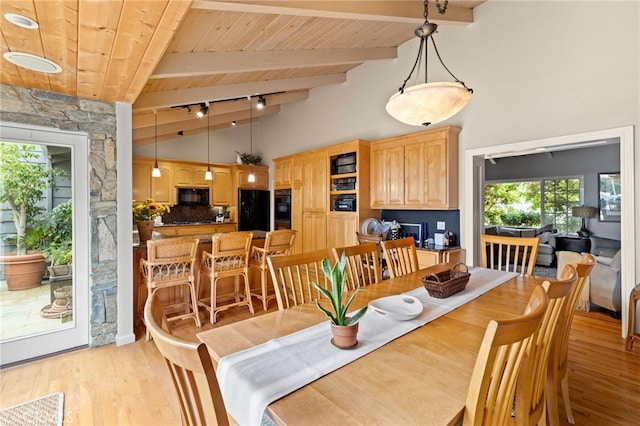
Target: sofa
(546, 234)
(604, 287)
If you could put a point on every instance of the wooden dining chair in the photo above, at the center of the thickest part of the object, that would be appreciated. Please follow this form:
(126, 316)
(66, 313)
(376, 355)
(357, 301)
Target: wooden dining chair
(172, 263)
(276, 242)
(516, 254)
(292, 273)
(188, 363)
(557, 371)
(229, 257)
(363, 264)
(375, 238)
(530, 408)
(492, 387)
(401, 256)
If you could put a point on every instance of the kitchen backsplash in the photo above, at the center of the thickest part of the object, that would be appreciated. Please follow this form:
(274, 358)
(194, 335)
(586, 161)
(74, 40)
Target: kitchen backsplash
(451, 218)
(181, 214)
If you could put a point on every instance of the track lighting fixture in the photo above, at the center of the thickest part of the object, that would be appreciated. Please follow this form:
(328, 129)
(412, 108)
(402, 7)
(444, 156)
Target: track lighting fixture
(251, 178)
(234, 123)
(203, 110)
(262, 102)
(188, 109)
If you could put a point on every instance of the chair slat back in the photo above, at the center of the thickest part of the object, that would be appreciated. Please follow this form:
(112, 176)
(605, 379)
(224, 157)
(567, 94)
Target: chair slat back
(292, 273)
(401, 256)
(191, 370)
(363, 264)
(169, 262)
(530, 389)
(515, 254)
(493, 381)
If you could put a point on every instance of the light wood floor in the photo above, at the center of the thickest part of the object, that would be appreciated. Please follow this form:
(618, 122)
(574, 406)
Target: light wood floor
(129, 385)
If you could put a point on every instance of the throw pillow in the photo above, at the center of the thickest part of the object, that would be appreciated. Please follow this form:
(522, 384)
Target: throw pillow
(615, 262)
(608, 252)
(545, 228)
(544, 237)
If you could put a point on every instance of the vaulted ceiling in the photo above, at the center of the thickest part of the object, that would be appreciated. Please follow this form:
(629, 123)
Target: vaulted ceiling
(164, 55)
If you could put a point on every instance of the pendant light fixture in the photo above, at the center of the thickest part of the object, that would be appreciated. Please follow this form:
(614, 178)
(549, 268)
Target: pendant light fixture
(428, 103)
(252, 177)
(208, 175)
(156, 170)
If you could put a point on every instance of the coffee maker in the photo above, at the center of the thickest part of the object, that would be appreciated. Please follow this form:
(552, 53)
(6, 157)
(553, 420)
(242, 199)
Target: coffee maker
(449, 239)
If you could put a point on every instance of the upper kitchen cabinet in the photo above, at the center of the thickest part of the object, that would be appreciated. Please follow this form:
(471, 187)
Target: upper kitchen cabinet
(418, 171)
(160, 189)
(282, 173)
(191, 175)
(221, 186)
(261, 174)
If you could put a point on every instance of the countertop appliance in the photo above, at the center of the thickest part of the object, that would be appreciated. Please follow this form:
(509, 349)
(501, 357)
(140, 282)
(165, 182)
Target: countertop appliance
(254, 210)
(345, 203)
(192, 196)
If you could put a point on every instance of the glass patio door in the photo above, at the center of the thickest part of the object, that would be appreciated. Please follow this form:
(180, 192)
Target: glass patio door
(51, 314)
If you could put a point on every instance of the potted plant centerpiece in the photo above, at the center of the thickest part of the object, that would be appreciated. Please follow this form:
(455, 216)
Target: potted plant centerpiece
(144, 213)
(23, 181)
(344, 328)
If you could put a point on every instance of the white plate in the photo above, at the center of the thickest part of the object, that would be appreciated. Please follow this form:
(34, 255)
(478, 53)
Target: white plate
(369, 225)
(401, 307)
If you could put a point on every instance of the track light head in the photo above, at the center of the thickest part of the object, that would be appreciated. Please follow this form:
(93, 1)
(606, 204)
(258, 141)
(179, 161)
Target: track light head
(234, 123)
(203, 110)
(261, 102)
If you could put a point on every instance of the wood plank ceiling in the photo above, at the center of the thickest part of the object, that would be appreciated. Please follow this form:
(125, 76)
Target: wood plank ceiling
(164, 55)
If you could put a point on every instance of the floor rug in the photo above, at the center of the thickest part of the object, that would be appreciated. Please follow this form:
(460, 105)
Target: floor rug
(45, 411)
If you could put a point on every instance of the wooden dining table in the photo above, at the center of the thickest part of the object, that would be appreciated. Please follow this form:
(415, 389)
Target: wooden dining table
(420, 378)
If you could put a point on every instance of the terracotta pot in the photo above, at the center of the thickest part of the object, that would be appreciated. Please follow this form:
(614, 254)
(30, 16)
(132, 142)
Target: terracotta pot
(60, 270)
(145, 229)
(24, 271)
(345, 336)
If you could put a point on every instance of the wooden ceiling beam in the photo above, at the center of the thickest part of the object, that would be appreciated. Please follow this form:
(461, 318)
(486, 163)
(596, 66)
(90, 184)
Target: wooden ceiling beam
(196, 95)
(174, 128)
(410, 11)
(190, 64)
(193, 132)
(173, 115)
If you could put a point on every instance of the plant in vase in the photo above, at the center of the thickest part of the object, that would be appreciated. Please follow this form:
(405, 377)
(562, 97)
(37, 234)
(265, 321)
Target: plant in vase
(144, 213)
(343, 327)
(24, 178)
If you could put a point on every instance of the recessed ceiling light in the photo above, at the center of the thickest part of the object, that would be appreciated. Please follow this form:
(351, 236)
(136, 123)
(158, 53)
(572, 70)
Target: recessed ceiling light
(21, 21)
(32, 62)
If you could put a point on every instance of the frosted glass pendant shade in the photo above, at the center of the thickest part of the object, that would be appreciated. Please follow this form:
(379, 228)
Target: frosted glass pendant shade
(251, 178)
(428, 103)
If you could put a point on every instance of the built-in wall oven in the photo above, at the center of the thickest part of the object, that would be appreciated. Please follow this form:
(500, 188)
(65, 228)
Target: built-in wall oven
(282, 207)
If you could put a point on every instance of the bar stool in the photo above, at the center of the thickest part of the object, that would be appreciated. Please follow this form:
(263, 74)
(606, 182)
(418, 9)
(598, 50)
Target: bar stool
(276, 242)
(171, 263)
(632, 335)
(229, 258)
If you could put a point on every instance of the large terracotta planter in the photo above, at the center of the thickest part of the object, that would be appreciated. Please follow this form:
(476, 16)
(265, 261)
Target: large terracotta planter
(24, 271)
(344, 336)
(145, 229)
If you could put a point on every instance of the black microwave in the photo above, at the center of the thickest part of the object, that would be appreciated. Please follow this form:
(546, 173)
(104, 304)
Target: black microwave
(192, 196)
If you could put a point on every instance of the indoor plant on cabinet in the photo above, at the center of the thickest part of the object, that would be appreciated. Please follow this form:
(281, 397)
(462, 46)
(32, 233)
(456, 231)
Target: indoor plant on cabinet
(23, 181)
(144, 214)
(344, 328)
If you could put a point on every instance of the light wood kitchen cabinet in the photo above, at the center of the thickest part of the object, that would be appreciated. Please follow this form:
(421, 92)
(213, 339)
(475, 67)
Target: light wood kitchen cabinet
(207, 229)
(191, 175)
(198, 174)
(418, 171)
(162, 189)
(314, 200)
(428, 258)
(282, 174)
(261, 174)
(141, 177)
(221, 186)
(342, 228)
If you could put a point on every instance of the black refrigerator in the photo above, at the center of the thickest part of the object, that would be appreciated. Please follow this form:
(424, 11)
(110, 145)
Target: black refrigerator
(254, 212)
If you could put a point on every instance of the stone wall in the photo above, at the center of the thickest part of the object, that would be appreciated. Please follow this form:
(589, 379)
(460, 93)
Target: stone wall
(98, 120)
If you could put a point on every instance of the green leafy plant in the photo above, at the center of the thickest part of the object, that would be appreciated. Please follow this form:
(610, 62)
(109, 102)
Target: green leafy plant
(338, 312)
(250, 158)
(24, 179)
(58, 234)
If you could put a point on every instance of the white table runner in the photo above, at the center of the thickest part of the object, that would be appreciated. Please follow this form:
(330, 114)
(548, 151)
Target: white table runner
(253, 378)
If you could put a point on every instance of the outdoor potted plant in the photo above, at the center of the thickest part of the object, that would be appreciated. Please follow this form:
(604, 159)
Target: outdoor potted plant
(24, 179)
(58, 239)
(344, 328)
(144, 214)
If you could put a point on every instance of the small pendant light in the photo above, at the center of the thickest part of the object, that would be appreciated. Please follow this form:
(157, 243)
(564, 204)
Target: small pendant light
(252, 177)
(156, 170)
(208, 175)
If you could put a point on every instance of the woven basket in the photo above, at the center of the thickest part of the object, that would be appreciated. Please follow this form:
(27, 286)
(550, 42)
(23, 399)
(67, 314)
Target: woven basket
(443, 284)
